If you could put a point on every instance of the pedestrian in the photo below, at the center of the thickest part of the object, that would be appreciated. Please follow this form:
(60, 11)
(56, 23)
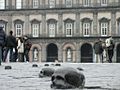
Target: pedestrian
(110, 48)
(10, 45)
(98, 51)
(20, 49)
(2, 42)
(27, 45)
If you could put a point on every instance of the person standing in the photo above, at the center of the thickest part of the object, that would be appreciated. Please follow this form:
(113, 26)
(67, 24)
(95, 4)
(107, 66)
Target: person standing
(2, 42)
(10, 45)
(27, 45)
(98, 51)
(110, 48)
(20, 49)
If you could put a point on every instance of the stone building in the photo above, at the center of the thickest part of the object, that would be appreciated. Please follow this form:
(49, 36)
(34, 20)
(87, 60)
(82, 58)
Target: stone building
(63, 30)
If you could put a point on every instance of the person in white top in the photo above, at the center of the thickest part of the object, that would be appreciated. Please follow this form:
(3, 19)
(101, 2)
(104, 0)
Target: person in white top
(110, 48)
(20, 48)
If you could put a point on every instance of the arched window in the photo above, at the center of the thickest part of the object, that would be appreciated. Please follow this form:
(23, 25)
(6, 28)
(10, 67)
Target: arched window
(3, 24)
(52, 27)
(86, 26)
(104, 26)
(69, 27)
(18, 28)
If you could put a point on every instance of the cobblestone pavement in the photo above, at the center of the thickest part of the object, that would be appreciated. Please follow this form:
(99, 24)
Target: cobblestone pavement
(23, 76)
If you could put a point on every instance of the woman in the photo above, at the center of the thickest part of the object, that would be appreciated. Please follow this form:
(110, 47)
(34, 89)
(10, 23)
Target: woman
(20, 48)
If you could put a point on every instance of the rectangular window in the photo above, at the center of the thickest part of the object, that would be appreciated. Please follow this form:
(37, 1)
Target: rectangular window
(51, 3)
(104, 29)
(18, 4)
(86, 2)
(51, 30)
(2, 4)
(86, 29)
(68, 29)
(19, 28)
(35, 3)
(35, 30)
(68, 3)
(104, 2)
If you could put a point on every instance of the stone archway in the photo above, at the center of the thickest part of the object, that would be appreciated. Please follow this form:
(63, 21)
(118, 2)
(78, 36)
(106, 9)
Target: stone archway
(86, 53)
(118, 53)
(52, 52)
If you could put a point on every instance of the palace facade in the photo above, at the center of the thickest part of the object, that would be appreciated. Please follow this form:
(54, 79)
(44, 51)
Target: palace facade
(63, 30)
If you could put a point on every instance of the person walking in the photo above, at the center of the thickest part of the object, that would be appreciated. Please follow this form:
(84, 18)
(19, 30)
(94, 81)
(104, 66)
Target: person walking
(10, 45)
(110, 48)
(2, 42)
(27, 45)
(20, 49)
(98, 51)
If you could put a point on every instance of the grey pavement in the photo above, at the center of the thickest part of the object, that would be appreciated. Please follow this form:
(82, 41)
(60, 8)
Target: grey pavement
(23, 76)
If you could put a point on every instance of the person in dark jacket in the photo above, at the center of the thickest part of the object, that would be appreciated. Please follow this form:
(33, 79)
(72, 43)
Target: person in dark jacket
(11, 44)
(27, 46)
(2, 42)
(98, 51)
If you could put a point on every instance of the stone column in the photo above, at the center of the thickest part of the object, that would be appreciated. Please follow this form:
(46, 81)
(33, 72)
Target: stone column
(59, 33)
(60, 53)
(113, 23)
(77, 25)
(95, 32)
(78, 53)
(26, 31)
(43, 25)
(10, 24)
(44, 54)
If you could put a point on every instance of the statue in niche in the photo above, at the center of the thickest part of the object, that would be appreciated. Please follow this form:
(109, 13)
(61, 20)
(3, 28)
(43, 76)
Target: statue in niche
(35, 55)
(69, 56)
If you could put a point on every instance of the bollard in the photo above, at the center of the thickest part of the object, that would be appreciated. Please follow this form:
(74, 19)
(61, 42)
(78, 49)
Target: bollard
(8, 67)
(34, 65)
(46, 64)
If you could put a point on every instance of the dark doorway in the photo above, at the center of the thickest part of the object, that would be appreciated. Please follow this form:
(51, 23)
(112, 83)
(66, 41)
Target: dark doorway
(86, 53)
(52, 53)
(118, 53)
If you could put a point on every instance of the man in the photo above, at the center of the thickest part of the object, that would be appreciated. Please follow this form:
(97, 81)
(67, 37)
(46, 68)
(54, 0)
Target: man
(10, 44)
(98, 51)
(27, 46)
(2, 42)
(110, 48)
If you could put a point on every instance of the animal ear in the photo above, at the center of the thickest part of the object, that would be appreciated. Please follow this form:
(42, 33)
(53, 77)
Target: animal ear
(72, 78)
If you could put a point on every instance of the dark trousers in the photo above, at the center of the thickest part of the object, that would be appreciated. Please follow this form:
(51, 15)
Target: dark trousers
(6, 53)
(20, 57)
(110, 55)
(26, 53)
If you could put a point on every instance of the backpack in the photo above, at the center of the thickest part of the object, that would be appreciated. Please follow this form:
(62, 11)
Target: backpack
(28, 45)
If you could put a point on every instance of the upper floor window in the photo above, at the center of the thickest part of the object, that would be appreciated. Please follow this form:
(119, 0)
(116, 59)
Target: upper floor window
(19, 30)
(104, 28)
(2, 4)
(86, 29)
(69, 29)
(104, 2)
(86, 26)
(68, 3)
(35, 3)
(35, 29)
(51, 3)
(18, 4)
(52, 29)
(86, 2)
